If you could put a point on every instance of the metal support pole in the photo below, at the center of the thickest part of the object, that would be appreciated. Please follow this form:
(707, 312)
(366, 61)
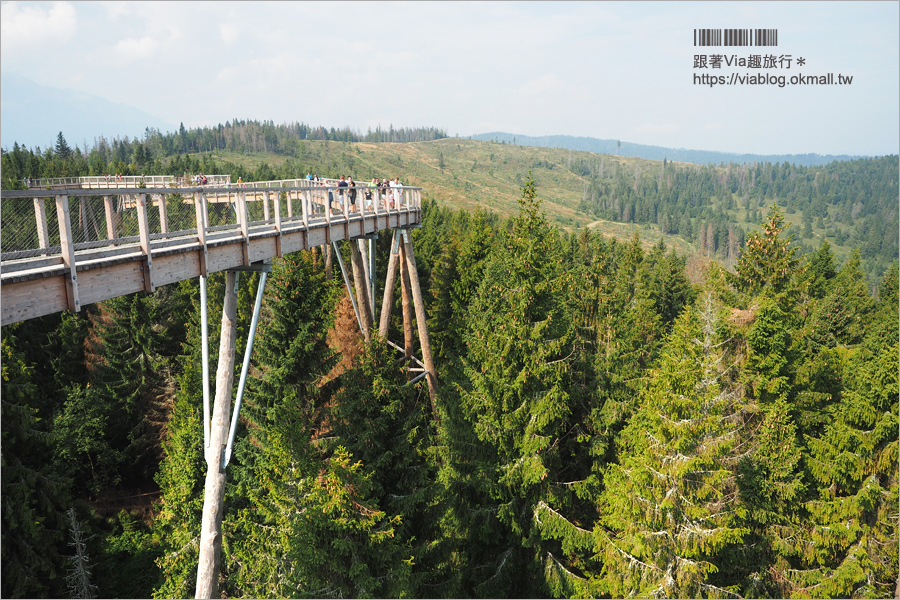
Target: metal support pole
(337, 251)
(205, 333)
(243, 381)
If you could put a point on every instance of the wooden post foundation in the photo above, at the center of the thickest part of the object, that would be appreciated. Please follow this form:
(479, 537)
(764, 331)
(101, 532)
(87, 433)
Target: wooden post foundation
(388, 300)
(362, 290)
(410, 261)
(209, 564)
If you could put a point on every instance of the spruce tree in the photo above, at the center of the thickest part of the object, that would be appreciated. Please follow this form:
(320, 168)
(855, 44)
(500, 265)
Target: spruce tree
(34, 496)
(315, 469)
(768, 261)
(182, 469)
(670, 506)
(849, 548)
(521, 400)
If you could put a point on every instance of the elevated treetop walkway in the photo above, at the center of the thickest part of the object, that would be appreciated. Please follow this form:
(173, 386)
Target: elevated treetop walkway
(114, 236)
(103, 182)
(111, 236)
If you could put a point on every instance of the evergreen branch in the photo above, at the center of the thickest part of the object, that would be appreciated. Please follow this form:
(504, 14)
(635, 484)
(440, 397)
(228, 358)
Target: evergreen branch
(559, 565)
(628, 555)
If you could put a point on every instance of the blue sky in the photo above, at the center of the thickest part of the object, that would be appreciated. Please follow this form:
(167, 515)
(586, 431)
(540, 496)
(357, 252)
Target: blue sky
(620, 70)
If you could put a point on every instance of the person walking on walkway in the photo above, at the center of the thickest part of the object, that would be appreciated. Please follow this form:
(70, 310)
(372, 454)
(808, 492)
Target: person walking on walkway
(352, 193)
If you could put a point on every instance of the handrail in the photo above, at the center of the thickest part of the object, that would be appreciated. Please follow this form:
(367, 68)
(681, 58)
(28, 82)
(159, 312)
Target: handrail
(120, 181)
(87, 222)
(95, 228)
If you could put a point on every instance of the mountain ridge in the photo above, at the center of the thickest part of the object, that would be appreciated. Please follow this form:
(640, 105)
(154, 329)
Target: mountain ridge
(34, 114)
(621, 148)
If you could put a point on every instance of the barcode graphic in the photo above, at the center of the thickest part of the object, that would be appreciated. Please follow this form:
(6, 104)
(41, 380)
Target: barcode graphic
(735, 37)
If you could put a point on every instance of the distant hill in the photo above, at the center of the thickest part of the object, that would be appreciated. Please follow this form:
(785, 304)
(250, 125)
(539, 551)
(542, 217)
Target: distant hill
(33, 115)
(619, 148)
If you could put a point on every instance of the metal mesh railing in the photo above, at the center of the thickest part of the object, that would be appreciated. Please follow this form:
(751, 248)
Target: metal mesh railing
(19, 226)
(222, 212)
(180, 213)
(30, 225)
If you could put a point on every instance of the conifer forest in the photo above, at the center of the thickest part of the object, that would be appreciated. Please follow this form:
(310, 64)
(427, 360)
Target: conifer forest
(613, 418)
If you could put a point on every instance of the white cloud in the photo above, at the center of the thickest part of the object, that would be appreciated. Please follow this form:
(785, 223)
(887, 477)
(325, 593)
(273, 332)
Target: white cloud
(23, 27)
(132, 50)
(229, 33)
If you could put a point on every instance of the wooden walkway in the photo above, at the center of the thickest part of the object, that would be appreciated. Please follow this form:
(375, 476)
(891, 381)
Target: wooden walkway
(100, 243)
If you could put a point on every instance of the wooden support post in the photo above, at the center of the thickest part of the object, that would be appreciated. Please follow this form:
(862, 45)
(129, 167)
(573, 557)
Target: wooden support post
(67, 244)
(329, 267)
(40, 217)
(372, 275)
(245, 229)
(89, 220)
(163, 218)
(307, 200)
(364, 256)
(388, 300)
(111, 233)
(362, 291)
(210, 562)
(406, 305)
(144, 230)
(278, 252)
(421, 322)
(304, 200)
(265, 201)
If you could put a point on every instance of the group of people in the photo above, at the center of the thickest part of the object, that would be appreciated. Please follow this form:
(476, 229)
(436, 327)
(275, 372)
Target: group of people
(389, 192)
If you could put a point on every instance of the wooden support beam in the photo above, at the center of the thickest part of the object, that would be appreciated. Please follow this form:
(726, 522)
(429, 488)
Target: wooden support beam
(144, 231)
(278, 251)
(304, 200)
(388, 300)
(329, 266)
(421, 322)
(67, 245)
(245, 229)
(40, 217)
(163, 217)
(110, 217)
(362, 290)
(372, 274)
(90, 220)
(364, 256)
(210, 562)
(406, 305)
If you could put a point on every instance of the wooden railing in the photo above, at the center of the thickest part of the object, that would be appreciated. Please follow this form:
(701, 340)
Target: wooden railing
(98, 244)
(122, 181)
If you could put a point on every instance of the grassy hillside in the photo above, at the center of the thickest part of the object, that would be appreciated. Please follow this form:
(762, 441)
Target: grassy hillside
(469, 174)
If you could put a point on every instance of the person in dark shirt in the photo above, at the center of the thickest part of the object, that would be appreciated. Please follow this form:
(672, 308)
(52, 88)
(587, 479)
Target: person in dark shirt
(342, 184)
(352, 194)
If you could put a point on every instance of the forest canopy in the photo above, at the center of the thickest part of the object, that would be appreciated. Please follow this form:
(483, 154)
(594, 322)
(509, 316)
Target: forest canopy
(612, 419)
